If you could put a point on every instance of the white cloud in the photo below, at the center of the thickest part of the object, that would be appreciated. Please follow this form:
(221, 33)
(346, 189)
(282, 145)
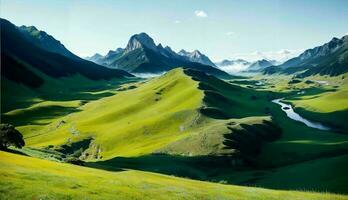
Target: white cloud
(201, 13)
(177, 21)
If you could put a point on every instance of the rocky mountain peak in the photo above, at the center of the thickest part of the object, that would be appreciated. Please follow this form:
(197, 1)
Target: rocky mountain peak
(139, 41)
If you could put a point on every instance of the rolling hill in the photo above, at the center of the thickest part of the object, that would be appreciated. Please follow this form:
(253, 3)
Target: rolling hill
(175, 109)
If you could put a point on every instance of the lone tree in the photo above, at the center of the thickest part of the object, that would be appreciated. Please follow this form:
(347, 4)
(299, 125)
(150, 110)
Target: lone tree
(9, 136)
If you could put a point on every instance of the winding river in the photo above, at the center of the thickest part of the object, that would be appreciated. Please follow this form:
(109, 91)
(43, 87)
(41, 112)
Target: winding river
(287, 108)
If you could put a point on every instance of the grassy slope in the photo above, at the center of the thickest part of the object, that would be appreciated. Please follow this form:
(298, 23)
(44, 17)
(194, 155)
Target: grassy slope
(155, 115)
(76, 87)
(147, 120)
(329, 107)
(20, 179)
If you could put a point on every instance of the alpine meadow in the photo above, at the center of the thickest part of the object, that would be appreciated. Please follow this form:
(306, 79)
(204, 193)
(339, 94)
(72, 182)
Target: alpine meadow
(244, 100)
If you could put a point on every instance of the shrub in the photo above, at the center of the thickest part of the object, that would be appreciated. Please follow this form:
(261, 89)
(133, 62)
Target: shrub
(9, 136)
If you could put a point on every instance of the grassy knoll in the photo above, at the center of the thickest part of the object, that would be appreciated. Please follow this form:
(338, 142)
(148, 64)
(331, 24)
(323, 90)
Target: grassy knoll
(31, 178)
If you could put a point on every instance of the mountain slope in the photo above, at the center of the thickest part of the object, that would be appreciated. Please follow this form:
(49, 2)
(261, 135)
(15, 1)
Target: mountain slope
(328, 59)
(30, 74)
(45, 41)
(19, 54)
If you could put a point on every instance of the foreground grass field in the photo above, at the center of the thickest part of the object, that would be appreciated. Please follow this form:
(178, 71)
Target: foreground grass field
(24, 177)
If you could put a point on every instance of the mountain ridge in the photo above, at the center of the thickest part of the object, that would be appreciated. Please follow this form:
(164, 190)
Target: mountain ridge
(330, 58)
(142, 55)
(20, 53)
(45, 41)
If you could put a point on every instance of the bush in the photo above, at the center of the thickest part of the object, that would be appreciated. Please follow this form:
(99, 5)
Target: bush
(9, 136)
(294, 81)
(73, 160)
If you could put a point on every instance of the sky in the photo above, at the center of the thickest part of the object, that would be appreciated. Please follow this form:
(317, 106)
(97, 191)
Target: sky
(221, 29)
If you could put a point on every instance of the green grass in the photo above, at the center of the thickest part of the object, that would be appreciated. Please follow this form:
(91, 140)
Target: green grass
(329, 107)
(31, 178)
(161, 115)
(148, 117)
(190, 117)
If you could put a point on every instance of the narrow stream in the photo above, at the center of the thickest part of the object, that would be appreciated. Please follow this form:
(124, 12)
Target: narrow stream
(287, 108)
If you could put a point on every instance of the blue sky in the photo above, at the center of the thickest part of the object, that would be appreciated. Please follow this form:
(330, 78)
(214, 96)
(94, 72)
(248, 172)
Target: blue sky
(219, 28)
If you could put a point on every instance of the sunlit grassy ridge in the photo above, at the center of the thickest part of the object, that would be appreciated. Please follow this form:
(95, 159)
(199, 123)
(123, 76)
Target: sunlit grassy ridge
(162, 115)
(31, 178)
(147, 118)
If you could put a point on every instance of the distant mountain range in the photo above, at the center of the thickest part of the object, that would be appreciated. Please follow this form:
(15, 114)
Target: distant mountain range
(29, 55)
(196, 56)
(240, 65)
(328, 59)
(259, 65)
(142, 55)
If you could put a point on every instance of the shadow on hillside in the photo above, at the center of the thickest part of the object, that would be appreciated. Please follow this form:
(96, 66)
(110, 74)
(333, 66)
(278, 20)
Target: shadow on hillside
(223, 100)
(199, 167)
(33, 117)
(226, 170)
(71, 96)
(335, 120)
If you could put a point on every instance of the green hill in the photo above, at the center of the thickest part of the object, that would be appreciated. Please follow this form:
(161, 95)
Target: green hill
(169, 109)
